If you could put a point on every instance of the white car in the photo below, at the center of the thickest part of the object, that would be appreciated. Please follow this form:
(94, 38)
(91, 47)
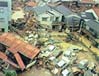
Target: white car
(65, 72)
(61, 63)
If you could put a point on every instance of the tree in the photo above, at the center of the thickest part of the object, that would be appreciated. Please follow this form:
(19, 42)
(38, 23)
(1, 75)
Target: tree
(10, 73)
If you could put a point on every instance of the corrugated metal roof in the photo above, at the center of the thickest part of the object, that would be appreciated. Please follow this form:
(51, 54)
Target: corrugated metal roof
(4, 58)
(16, 45)
(19, 60)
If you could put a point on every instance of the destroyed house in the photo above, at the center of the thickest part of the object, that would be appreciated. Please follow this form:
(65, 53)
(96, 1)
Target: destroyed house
(18, 53)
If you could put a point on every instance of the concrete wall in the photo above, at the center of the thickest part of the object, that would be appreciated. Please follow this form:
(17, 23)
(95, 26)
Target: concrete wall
(5, 15)
(9, 8)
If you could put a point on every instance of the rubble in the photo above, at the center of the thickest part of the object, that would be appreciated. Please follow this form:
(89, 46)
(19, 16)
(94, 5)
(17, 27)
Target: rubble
(49, 38)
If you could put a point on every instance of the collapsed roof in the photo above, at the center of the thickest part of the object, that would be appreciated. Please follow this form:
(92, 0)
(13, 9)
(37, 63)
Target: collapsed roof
(16, 46)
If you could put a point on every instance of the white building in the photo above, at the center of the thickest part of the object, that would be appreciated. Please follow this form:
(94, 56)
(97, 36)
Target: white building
(5, 14)
(46, 15)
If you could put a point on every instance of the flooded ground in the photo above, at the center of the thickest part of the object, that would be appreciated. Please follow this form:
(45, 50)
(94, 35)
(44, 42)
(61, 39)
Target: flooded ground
(1, 74)
(36, 72)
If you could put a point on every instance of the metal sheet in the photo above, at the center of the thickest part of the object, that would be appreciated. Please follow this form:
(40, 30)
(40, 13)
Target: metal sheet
(16, 45)
(19, 60)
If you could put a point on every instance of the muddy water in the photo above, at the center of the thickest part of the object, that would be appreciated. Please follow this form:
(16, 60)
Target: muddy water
(36, 72)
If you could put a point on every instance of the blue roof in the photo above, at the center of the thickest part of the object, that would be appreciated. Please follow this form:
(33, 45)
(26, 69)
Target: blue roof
(63, 10)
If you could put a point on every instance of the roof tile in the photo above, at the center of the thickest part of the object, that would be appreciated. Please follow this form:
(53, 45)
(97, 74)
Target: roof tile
(87, 1)
(96, 11)
(31, 3)
(16, 45)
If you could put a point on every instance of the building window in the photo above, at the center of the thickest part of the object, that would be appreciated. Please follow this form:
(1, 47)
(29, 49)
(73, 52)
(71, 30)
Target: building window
(3, 4)
(44, 18)
(57, 19)
(1, 19)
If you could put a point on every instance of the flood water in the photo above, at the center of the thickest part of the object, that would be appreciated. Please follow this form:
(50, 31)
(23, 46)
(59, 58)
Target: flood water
(36, 72)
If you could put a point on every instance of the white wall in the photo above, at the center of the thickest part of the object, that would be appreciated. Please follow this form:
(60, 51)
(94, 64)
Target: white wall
(9, 7)
(56, 14)
(96, 1)
(6, 15)
(48, 22)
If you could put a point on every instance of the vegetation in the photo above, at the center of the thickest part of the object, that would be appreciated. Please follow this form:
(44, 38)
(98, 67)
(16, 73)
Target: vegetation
(10, 73)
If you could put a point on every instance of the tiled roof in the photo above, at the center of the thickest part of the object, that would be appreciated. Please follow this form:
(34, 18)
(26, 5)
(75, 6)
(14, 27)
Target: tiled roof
(4, 57)
(15, 45)
(96, 10)
(19, 60)
(32, 4)
(87, 1)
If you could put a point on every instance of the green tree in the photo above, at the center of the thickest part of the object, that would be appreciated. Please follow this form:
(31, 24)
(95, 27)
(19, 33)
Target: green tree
(10, 73)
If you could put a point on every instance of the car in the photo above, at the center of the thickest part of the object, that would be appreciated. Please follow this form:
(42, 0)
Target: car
(61, 63)
(65, 72)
